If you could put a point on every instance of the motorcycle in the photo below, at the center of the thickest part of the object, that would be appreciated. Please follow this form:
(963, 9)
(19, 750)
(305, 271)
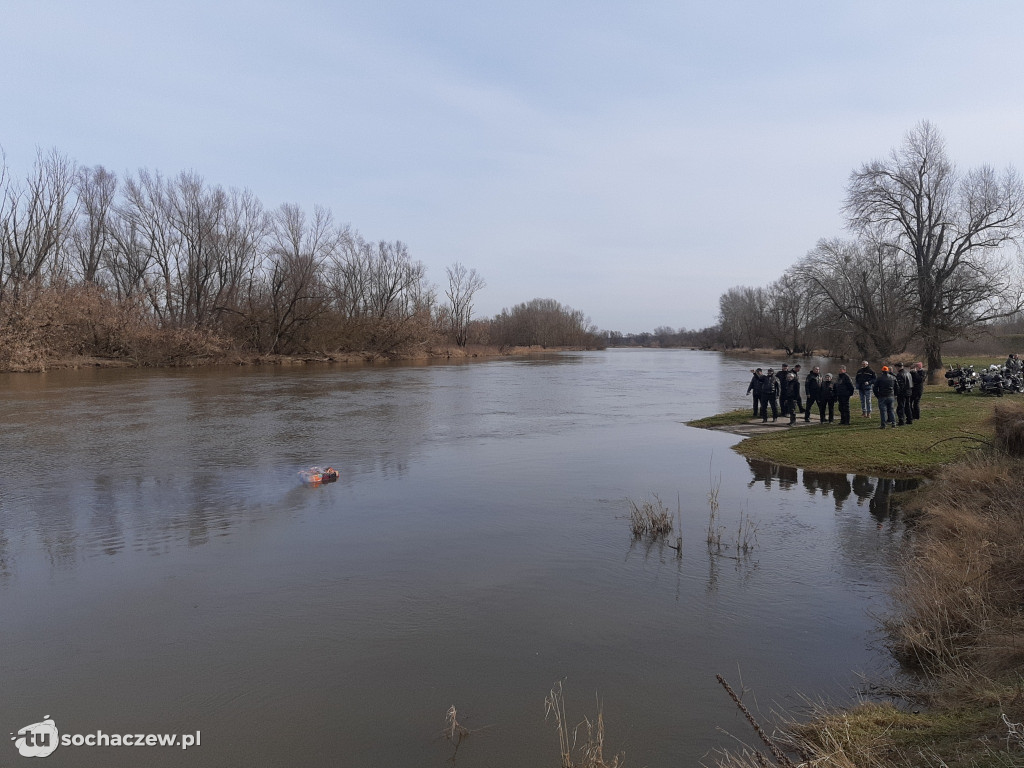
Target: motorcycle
(963, 380)
(992, 382)
(1013, 380)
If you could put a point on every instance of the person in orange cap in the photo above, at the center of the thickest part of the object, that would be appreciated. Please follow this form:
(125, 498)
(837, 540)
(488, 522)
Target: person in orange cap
(885, 391)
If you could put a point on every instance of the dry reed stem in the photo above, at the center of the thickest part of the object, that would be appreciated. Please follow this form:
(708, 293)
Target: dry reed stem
(554, 706)
(777, 753)
(454, 731)
(591, 751)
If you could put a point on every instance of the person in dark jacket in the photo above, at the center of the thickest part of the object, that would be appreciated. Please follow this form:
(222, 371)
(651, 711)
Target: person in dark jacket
(844, 391)
(769, 395)
(755, 387)
(918, 376)
(782, 374)
(885, 390)
(790, 395)
(827, 398)
(799, 400)
(904, 387)
(865, 381)
(811, 386)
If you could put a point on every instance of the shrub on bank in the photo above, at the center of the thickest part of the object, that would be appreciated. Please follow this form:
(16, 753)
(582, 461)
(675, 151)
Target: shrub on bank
(960, 598)
(47, 325)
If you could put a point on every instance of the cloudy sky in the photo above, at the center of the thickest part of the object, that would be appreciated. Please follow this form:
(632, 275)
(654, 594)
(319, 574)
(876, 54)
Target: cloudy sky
(633, 160)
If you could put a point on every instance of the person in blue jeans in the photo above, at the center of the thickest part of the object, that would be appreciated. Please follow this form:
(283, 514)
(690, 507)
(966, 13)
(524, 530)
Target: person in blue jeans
(865, 380)
(885, 391)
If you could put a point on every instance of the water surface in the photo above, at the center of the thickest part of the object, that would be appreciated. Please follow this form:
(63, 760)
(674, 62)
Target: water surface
(162, 569)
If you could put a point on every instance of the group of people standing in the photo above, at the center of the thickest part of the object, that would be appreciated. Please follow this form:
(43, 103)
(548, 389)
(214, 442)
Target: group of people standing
(898, 393)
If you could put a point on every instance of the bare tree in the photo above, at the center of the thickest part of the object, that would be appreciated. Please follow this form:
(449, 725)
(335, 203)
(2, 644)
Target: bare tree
(380, 293)
(292, 293)
(92, 237)
(742, 314)
(147, 239)
(463, 285)
(35, 222)
(793, 314)
(127, 260)
(950, 227)
(864, 289)
(238, 249)
(197, 214)
(543, 322)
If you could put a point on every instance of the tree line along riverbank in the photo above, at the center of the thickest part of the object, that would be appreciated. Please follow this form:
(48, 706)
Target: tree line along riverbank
(76, 325)
(144, 269)
(957, 619)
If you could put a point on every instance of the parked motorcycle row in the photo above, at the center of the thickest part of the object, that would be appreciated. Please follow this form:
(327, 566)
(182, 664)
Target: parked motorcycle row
(994, 380)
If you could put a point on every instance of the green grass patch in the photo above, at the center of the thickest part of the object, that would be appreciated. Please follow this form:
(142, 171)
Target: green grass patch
(950, 427)
(728, 419)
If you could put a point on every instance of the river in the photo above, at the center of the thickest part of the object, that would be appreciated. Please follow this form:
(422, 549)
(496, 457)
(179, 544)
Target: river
(164, 571)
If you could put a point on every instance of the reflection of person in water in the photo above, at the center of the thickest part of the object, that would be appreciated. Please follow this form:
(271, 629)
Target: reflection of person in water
(880, 503)
(841, 490)
(863, 487)
(766, 472)
(878, 492)
(762, 471)
(836, 483)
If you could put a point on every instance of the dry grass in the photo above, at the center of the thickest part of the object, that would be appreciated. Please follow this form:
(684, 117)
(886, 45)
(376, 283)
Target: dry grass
(882, 735)
(649, 518)
(961, 591)
(714, 529)
(1008, 425)
(746, 534)
(578, 750)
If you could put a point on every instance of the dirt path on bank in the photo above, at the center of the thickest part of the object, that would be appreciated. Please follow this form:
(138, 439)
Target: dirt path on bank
(758, 427)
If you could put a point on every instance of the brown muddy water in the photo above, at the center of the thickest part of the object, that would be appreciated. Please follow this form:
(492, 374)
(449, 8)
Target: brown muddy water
(164, 571)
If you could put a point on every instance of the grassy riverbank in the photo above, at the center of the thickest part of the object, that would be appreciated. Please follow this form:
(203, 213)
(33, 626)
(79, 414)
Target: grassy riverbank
(951, 427)
(958, 617)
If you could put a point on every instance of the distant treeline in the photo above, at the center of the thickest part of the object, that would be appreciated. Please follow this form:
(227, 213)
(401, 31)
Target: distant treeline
(934, 258)
(664, 336)
(159, 270)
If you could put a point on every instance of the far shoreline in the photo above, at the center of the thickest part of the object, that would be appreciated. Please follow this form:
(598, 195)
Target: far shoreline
(238, 359)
